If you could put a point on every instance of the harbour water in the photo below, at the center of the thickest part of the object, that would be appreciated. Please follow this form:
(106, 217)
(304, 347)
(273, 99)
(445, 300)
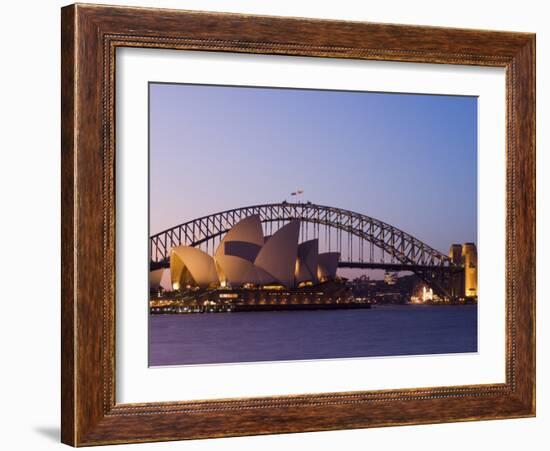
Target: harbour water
(384, 330)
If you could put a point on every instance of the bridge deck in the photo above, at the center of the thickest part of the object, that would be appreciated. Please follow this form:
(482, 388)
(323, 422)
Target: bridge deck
(359, 265)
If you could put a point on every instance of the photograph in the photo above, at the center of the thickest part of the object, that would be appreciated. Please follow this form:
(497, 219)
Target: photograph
(301, 224)
(275, 225)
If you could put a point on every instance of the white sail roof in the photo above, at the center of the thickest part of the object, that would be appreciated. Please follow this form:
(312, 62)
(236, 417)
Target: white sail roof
(246, 256)
(328, 264)
(191, 266)
(154, 279)
(243, 240)
(307, 261)
(278, 255)
(237, 271)
(157, 279)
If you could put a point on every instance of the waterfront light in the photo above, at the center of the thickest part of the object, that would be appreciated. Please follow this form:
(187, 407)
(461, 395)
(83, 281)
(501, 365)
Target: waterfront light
(427, 294)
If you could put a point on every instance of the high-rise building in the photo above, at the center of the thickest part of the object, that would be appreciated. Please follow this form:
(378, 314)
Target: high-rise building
(463, 284)
(469, 252)
(455, 253)
(456, 284)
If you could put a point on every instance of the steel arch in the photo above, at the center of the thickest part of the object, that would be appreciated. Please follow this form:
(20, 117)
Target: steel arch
(402, 246)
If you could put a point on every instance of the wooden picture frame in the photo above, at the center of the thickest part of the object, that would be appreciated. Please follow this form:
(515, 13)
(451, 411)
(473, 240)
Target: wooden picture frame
(90, 36)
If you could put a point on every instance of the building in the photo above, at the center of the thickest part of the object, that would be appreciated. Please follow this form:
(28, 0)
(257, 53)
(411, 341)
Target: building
(455, 254)
(247, 259)
(159, 280)
(456, 284)
(463, 284)
(390, 278)
(469, 252)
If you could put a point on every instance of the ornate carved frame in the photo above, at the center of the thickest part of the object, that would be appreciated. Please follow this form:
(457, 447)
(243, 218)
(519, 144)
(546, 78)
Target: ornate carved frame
(90, 36)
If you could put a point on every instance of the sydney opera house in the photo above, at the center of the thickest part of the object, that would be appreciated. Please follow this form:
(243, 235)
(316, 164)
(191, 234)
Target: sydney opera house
(250, 268)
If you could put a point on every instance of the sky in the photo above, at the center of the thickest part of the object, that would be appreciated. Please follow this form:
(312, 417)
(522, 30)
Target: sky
(407, 159)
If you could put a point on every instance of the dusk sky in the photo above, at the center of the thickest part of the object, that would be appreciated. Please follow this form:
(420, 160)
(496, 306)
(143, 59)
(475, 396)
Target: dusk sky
(408, 160)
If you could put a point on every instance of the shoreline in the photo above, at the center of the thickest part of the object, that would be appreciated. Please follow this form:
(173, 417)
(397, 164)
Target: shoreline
(243, 308)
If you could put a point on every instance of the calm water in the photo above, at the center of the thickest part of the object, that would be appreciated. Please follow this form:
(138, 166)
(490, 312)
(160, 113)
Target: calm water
(265, 336)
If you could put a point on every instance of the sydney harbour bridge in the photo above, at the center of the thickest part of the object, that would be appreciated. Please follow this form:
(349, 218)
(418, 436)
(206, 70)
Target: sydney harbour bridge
(363, 242)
